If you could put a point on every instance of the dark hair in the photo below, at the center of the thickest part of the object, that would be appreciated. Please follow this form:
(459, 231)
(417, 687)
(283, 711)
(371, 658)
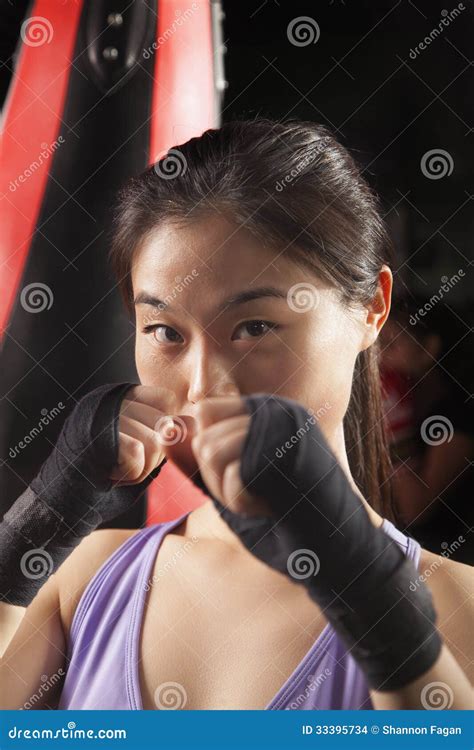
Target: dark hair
(289, 182)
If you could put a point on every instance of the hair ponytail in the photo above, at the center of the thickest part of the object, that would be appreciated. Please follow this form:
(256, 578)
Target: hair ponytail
(365, 435)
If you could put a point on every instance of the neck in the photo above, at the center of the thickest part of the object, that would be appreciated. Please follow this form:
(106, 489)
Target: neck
(206, 522)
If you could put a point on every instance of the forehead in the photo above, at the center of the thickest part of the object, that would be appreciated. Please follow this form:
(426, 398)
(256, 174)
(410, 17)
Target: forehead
(221, 251)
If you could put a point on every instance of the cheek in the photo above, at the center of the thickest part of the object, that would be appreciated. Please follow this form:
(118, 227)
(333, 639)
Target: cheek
(140, 362)
(150, 371)
(326, 382)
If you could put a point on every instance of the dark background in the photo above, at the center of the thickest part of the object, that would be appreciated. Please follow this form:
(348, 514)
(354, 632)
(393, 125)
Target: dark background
(386, 107)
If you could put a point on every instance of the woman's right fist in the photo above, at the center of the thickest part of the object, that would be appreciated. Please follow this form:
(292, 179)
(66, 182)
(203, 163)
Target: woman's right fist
(146, 430)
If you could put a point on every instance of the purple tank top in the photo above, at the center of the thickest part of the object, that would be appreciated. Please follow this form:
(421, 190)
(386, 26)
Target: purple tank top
(103, 648)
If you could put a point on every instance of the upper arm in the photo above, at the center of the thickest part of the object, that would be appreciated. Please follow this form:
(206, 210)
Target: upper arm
(452, 587)
(33, 665)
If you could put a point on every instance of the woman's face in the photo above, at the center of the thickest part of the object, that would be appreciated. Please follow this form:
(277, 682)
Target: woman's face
(298, 342)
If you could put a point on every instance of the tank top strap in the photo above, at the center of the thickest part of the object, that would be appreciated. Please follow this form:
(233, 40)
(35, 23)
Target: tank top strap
(410, 547)
(129, 556)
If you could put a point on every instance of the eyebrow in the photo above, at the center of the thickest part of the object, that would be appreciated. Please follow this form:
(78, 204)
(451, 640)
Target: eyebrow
(240, 298)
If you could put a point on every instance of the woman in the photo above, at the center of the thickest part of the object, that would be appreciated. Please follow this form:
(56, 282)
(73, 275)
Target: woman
(256, 260)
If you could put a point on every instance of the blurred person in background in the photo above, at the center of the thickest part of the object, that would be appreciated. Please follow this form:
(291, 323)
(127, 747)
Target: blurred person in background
(429, 415)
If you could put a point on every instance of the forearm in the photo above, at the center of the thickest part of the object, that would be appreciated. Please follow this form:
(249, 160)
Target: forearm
(362, 583)
(72, 494)
(443, 686)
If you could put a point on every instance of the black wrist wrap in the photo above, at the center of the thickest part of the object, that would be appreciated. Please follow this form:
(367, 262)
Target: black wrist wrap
(69, 498)
(322, 537)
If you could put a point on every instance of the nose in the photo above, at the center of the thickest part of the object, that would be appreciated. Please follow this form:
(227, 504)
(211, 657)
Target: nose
(210, 377)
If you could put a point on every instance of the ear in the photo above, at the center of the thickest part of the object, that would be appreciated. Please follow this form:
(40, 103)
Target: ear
(378, 309)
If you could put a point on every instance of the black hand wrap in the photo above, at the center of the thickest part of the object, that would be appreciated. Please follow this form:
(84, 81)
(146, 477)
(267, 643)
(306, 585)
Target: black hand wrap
(322, 537)
(69, 498)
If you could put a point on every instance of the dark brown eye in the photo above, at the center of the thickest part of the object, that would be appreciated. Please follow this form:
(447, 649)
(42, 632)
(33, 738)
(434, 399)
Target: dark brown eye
(164, 334)
(256, 328)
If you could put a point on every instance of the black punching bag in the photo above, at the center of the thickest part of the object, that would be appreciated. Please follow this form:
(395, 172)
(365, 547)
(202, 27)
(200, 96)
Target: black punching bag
(100, 89)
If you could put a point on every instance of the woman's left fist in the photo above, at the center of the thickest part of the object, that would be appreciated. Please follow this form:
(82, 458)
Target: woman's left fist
(213, 445)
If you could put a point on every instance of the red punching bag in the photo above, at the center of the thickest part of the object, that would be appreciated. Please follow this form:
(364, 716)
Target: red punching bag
(101, 89)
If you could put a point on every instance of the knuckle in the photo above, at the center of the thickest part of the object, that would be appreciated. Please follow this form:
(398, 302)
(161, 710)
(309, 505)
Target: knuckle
(207, 452)
(155, 443)
(136, 453)
(154, 456)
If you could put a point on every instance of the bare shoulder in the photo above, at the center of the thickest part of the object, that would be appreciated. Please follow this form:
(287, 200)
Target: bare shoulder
(80, 567)
(438, 571)
(452, 586)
